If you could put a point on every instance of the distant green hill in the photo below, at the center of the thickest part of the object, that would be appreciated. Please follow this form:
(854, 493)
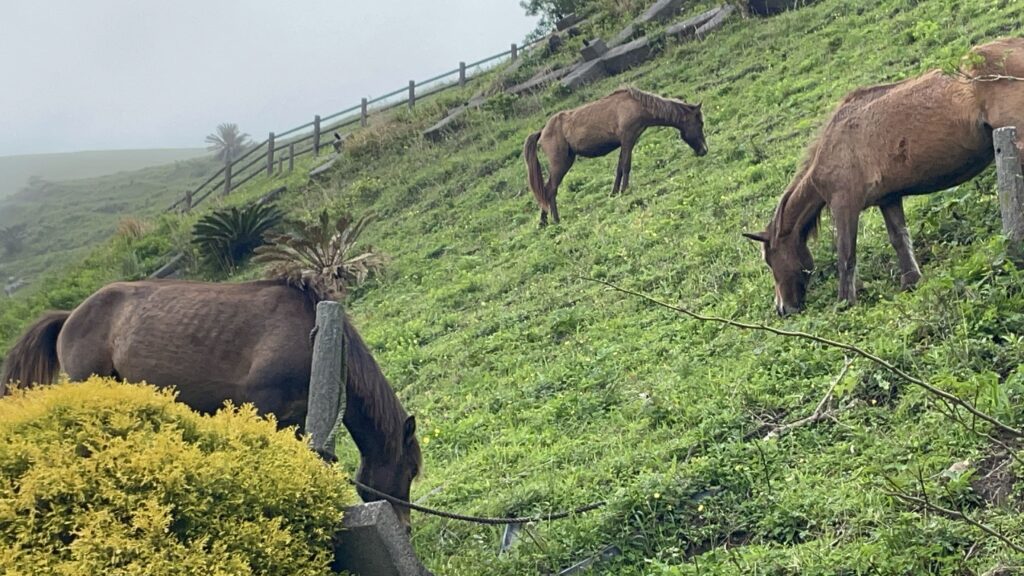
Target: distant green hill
(16, 171)
(66, 219)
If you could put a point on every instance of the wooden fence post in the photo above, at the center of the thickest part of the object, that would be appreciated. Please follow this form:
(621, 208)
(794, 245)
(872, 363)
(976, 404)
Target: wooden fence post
(1011, 187)
(227, 179)
(291, 156)
(362, 113)
(326, 381)
(412, 94)
(280, 164)
(188, 201)
(462, 73)
(270, 155)
(316, 135)
(515, 51)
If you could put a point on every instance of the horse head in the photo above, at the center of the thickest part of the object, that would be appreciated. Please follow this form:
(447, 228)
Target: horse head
(791, 264)
(392, 474)
(691, 129)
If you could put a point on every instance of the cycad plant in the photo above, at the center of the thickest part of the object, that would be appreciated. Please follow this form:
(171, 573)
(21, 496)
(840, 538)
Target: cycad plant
(226, 237)
(321, 256)
(228, 142)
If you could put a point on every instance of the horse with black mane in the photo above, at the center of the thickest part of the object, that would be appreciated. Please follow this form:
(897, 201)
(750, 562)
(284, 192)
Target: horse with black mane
(245, 342)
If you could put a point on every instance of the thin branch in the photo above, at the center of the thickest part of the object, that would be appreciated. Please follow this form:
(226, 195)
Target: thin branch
(947, 398)
(952, 515)
(821, 412)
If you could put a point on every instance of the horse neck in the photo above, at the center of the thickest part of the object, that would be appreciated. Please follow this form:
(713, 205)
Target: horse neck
(667, 113)
(799, 208)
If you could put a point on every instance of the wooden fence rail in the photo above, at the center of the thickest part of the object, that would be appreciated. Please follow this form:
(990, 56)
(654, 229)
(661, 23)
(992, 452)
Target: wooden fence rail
(232, 176)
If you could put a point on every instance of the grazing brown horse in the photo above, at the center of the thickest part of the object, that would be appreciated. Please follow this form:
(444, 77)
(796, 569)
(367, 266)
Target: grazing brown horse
(216, 342)
(885, 142)
(599, 128)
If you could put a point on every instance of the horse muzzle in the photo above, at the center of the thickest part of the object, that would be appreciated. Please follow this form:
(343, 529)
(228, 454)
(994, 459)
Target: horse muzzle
(702, 151)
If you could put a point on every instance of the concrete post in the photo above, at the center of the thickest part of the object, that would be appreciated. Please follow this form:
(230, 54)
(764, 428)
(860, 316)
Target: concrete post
(462, 73)
(270, 154)
(1011, 187)
(412, 94)
(515, 51)
(362, 113)
(326, 382)
(291, 156)
(316, 135)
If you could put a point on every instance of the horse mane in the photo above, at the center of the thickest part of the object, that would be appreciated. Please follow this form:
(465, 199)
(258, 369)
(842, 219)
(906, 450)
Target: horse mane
(668, 108)
(801, 178)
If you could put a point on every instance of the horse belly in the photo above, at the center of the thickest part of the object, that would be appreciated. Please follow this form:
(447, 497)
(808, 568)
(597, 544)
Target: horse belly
(598, 149)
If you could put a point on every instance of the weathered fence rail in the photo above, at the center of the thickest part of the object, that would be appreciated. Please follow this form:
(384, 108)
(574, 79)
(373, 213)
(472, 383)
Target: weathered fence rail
(286, 145)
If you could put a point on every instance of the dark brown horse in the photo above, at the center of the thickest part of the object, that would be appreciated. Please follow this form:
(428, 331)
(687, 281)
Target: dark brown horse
(598, 128)
(883, 143)
(216, 342)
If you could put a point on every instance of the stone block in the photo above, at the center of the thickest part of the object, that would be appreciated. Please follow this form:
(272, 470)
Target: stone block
(585, 74)
(374, 543)
(661, 10)
(626, 56)
(568, 22)
(715, 22)
(687, 28)
(594, 50)
(448, 124)
(540, 80)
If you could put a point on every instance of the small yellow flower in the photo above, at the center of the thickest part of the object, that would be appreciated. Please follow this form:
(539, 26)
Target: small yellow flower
(437, 432)
(700, 508)
(426, 440)
(657, 495)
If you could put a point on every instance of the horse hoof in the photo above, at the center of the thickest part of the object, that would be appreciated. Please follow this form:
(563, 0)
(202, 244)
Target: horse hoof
(909, 281)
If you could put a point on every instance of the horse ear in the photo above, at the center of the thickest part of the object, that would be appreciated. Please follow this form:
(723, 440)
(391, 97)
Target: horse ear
(410, 429)
(757, 236)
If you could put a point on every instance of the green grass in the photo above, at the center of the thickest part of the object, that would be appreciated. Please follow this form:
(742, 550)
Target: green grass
(536, 390)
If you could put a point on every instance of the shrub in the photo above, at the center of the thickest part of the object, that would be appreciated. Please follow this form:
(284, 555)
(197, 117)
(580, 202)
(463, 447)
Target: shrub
(227, 237)
(108, 478)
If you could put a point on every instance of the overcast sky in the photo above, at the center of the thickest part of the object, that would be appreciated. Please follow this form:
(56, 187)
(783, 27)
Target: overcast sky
(105, 74)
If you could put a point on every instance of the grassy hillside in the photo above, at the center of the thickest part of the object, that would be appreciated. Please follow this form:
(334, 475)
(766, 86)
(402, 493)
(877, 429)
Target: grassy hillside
(537, 390)
(67, 219)
(15, 171)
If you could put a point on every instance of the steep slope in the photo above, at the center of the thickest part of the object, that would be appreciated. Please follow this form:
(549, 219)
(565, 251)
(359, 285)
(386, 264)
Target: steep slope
(537, 390)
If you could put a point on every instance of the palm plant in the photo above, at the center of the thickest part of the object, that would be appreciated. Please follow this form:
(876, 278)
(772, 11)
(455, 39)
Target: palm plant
(227, 143)
(226, 237)
(321, 256)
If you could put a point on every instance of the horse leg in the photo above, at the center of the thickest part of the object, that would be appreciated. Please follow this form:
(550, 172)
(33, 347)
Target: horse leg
(626, 163)
(555, 181)
(899, 237)
(845, 219)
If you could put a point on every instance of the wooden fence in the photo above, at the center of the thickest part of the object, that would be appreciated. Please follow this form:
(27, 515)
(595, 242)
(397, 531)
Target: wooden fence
(309, 138)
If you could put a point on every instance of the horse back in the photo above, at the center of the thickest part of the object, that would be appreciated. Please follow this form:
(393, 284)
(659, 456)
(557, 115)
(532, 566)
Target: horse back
(213, 342)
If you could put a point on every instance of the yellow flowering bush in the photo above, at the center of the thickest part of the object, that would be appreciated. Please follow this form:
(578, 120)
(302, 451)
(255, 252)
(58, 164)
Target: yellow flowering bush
(116, 479)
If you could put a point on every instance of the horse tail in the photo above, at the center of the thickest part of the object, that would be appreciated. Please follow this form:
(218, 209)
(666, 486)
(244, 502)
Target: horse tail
(33, 358)
(536, 178)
